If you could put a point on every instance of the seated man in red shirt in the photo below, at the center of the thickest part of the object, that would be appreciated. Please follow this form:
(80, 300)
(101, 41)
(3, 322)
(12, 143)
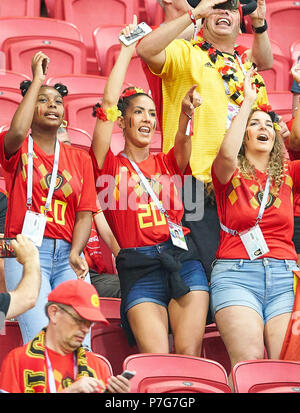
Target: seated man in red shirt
(55, 361)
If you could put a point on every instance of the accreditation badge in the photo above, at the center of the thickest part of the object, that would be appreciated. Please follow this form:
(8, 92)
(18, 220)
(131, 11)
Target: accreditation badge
(177, 235)
(34, 227)
(254, 242)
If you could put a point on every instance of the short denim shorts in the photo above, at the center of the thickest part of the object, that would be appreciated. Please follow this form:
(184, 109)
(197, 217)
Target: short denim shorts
(266, 285)
(153, 287)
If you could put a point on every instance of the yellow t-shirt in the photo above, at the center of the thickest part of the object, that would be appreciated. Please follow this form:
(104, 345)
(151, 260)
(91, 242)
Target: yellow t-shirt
(185, 66)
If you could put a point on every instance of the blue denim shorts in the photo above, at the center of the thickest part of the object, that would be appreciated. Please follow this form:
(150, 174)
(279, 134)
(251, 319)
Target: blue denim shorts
(266, 285)
(153, 287)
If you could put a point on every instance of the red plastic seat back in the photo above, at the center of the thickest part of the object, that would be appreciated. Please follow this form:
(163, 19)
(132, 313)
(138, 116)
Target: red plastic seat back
(66, 55)
(265, 374)
(20, 8)
(177, 366)
(181, 385)
(111, 342)
(9, 102)
(283, 20)
(35, 26)
(10, 80)
(96, 13)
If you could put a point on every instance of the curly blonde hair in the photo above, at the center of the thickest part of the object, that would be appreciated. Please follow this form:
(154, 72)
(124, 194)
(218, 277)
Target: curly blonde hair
(277, 166)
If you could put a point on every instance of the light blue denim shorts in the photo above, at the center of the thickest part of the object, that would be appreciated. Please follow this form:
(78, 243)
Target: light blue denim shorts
(266, 285)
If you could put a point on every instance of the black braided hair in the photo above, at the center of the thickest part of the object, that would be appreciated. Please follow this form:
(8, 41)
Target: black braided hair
(62, 89)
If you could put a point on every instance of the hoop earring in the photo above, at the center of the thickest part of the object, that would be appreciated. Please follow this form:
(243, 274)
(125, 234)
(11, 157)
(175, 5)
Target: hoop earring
(64, 124)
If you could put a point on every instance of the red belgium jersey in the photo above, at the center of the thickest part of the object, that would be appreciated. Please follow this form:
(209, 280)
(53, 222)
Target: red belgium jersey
(74, 191)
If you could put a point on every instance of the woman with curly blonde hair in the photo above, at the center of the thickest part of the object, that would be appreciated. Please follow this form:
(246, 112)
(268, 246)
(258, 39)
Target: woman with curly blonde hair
(252, 279)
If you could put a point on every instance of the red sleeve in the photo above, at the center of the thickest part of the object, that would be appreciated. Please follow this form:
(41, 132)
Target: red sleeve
(218, 187)
(88, 197)
(11, 163)
(10, 373)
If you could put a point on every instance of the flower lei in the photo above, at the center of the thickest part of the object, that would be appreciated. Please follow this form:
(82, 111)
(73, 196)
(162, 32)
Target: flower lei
(274, 117)
(132, 90)
(111, 113)
(227, 71)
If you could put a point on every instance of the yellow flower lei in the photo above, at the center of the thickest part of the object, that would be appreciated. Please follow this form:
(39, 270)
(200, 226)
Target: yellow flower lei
(113, 113)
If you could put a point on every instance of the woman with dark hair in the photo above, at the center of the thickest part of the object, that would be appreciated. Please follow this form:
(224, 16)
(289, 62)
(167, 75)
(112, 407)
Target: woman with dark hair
(162, 281)
(51, 193)
(252, 279)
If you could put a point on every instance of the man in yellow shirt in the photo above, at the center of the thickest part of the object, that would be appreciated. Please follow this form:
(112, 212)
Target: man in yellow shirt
(218, 67)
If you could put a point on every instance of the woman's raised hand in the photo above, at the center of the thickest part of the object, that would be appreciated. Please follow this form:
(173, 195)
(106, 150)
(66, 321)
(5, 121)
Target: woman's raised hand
(191, 101)
(250, 92)
(39, 65)
(127, 30)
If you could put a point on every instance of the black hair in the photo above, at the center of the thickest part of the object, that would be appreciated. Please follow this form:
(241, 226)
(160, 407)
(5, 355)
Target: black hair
(62, 89)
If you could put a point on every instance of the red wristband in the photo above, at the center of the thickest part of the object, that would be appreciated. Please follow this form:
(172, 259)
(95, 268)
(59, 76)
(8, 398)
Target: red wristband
(192, 17)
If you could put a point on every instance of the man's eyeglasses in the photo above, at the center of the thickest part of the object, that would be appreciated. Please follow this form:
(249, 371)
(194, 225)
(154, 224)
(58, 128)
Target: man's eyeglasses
(78, 321)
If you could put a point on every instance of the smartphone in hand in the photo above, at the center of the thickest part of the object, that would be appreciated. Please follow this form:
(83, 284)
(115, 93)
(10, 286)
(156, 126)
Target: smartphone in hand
(127, 374)
(139, 31)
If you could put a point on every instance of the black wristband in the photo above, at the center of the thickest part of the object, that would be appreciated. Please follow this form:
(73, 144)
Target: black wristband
(260, 29)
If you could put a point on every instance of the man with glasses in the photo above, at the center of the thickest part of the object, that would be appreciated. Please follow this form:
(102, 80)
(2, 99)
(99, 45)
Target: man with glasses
(55, 361)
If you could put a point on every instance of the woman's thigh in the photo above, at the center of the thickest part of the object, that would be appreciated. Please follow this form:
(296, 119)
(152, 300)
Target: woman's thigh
(149, 324)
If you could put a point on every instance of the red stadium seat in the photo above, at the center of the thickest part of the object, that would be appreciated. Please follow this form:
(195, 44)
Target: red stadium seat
(35, 26)
(174, 373)
(213, 347)
(79, 138)
(10, 80)
(105, 36)
(20, 8)
(278, 77)
(283, 20)
(80, 84)
(154, 13)
(135, 74)
(66, 55)
(111, 342)
(10, 338)
(110, 307)
(78, 111)
(281, 102)
(9, 102)
(96, 13)
(266, 376)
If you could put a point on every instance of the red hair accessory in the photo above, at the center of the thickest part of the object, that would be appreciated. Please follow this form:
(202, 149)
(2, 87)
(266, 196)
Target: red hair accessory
(265, 108)
(131, 91)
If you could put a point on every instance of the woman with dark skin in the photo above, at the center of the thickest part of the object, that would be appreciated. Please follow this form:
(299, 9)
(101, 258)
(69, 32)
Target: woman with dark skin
(59, 224)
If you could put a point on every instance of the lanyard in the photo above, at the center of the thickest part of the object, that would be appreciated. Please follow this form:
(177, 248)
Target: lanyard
(260, 213)
(51, 379)
(147, 186)
(30, 174)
